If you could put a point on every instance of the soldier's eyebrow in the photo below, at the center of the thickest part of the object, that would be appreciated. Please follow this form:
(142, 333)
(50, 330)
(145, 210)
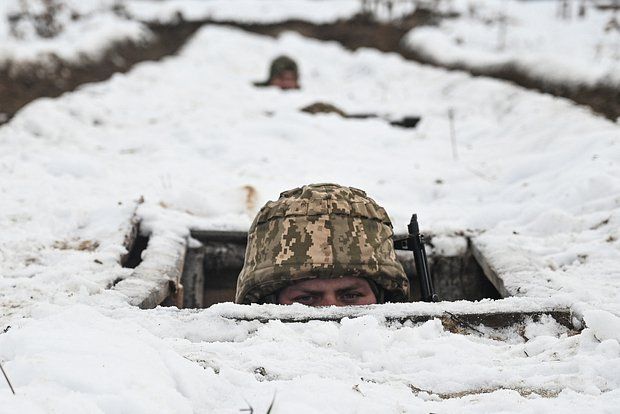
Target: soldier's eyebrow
(305, 291)
(349, 289)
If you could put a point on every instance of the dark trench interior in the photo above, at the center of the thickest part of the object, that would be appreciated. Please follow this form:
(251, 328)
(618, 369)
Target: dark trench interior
(211, 269)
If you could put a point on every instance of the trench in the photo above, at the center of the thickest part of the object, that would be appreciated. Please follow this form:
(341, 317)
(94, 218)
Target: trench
(364, 31)
(212, 267)
(23, 84)
(203, 271)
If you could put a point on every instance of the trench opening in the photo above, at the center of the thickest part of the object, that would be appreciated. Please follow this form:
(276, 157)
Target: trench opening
(135, 243)
(212, 266)
(204, 272)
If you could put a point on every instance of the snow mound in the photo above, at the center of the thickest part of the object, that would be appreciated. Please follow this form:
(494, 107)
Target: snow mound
(526, 36)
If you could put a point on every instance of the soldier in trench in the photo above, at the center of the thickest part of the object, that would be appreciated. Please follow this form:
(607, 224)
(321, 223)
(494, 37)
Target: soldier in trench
(284, 74)
(321, 245)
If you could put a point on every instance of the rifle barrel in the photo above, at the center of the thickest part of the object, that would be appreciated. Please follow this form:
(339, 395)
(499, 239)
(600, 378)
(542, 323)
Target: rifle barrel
(421, 261)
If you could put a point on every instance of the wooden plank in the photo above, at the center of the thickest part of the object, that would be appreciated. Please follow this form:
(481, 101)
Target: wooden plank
(192, 278)
(496, 320)
(220, 236)
(130, 237)
(489, 270)
(491, 313)
(158, 277)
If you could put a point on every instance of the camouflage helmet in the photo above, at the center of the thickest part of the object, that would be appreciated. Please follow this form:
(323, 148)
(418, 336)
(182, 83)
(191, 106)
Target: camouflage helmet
(320, 231)
(282, 64)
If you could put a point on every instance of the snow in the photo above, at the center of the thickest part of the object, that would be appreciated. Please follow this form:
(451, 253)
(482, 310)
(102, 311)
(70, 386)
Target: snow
(533, 38)
(87, 37)
(449, 246)
(387, 311)
(55, 356)
(535, 186)
(604, 325)
(511, 177)
(103, 23)
(135, 361)
(262, 11)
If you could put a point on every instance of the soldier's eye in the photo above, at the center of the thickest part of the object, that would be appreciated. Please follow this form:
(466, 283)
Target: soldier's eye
(351, 296)
(304, 299)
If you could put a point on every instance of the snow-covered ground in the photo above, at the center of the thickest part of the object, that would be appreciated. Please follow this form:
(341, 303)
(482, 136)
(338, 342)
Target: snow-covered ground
(536, 180)
(87, 28)
(529, 35)
(90, 360)
(262, 11)
(81, 29)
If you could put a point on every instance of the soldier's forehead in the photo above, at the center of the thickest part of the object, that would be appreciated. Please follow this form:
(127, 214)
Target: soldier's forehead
(336, 283)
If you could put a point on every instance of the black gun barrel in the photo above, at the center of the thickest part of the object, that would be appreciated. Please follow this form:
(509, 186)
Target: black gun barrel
(421, 262)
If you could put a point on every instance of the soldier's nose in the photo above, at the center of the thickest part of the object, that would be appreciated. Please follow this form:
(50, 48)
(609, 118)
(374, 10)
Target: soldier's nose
(330, 300)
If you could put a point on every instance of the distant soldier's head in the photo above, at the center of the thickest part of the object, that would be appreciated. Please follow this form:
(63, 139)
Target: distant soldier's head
(283, 73)
(321, 245)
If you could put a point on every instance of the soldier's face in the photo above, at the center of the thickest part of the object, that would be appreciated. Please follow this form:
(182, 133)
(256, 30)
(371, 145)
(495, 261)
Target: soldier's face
(343, 291)
(285, 80)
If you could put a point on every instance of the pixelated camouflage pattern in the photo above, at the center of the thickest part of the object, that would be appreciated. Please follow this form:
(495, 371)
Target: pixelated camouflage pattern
(320, 231)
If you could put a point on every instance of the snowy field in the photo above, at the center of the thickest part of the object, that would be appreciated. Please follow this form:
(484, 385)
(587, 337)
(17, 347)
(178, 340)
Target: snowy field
(531, 35)
(86, 28)
(81, 29)
(535, 181)
(262, 11)
(488, 33)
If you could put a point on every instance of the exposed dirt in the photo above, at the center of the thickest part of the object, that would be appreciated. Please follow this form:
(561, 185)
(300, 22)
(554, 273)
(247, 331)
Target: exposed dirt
(602, 98)
(362, 31)
(359, 31)
(18, 86)
(21, 84)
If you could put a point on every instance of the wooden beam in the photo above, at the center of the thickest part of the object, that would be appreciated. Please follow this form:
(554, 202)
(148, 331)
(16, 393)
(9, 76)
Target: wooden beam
(132, 234)
(489, 270)
(494, 320)
(158, 277)
(220, 236)
(192, 279)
